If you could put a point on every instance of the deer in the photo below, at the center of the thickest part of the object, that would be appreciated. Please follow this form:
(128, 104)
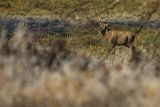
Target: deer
(117, 37)
(126, 38)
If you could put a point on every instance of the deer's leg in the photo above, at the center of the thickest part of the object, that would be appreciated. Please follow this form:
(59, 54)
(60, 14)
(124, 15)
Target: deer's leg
(111, 48)
(113, 42)
(127, 45)
(114, 49)
(132, 49)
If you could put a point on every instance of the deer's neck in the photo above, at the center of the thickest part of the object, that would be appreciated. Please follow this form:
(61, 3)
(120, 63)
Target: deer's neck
(105, 30)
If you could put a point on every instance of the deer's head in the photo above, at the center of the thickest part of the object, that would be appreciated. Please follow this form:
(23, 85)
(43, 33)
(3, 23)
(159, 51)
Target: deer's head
(104, 27)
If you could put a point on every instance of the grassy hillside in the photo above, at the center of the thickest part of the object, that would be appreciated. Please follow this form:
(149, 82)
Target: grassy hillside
(75, 9)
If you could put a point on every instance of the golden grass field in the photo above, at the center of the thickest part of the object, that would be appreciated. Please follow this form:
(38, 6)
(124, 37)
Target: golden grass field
(78, 10)
(75, 70)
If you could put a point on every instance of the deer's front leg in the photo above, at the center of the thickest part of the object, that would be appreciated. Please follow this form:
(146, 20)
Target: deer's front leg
(113, 42)
(111, 48)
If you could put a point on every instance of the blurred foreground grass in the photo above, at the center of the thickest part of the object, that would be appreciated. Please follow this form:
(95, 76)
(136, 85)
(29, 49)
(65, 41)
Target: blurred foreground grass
(50, 72)
(73, 70)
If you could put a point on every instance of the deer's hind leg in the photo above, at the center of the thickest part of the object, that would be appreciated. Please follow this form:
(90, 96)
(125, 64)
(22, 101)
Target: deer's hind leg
(132, 49)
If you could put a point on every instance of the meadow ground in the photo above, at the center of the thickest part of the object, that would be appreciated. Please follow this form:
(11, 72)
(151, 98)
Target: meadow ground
(147, 42)
(78, 10)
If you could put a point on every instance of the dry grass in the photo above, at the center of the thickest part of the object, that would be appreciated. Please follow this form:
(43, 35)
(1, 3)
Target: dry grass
(33, 74)
(74, 71)
(76, 9)
(93, 44)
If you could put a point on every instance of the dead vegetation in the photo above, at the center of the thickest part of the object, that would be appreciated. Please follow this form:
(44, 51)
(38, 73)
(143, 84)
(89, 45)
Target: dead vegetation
(52, 71)
(37, 75)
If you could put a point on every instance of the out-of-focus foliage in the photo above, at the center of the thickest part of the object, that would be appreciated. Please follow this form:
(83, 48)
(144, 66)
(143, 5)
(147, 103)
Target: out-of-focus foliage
(35, 74)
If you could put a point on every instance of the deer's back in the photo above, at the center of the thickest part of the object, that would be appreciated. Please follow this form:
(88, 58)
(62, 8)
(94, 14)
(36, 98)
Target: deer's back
(121, 37)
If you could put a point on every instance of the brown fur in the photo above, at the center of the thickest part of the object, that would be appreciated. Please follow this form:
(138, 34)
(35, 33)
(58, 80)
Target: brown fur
(117, 37)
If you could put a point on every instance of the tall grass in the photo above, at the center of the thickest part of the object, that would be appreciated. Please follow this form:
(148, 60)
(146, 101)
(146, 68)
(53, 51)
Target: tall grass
(36, 75)
(55, 72)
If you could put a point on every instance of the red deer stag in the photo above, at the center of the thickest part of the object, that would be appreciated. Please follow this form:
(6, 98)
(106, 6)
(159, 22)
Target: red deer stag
(117, 37)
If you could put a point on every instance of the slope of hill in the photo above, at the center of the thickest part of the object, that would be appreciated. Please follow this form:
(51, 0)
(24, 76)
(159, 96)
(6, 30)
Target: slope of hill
(75, 9)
